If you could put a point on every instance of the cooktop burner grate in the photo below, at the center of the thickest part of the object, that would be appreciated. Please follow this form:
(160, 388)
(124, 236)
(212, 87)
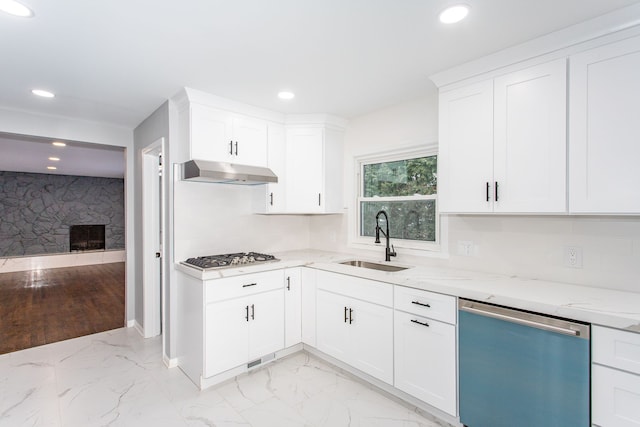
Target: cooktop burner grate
(229, 260)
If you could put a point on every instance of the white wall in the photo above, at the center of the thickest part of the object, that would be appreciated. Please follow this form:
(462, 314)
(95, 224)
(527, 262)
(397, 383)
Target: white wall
(23, 123)
(218, 218)
(527, 246)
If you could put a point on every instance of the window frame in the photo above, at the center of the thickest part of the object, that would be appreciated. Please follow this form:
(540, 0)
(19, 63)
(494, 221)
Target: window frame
(413, 246)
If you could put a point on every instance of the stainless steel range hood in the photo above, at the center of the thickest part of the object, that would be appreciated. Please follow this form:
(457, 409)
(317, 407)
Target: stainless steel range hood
(226, 173)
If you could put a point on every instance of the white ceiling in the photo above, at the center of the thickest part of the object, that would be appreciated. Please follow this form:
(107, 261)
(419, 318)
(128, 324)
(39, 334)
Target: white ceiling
(116, 61)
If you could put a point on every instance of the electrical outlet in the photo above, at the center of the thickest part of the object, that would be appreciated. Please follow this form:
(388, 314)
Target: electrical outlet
(465, 247)
(573, 257)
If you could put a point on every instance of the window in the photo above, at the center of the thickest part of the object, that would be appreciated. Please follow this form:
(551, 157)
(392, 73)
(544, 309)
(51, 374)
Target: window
(405, 187)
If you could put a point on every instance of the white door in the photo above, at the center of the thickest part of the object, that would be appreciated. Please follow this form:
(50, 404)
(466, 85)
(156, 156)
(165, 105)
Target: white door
(210, 134)
(332, 314)
(615, 397)
(604, 128)
(152, 259)
(530, 139)
(266, 323)
(304, 170)
(465, 158)
(371, 339)
(425, 360)
(293, 307)
(226, 335)
(249, 141)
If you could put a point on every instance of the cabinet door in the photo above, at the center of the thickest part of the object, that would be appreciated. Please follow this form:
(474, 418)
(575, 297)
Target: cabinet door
(308, 282)
(210, 133)
(249, 141)
(266, 323)
(277, 163)
(615, 397)
(293, 307)
(604, 128)
(425, 360)
(305, 165)
(333, 325)
(371, 339)
(530, 139)
(226, 336)
(465, 159)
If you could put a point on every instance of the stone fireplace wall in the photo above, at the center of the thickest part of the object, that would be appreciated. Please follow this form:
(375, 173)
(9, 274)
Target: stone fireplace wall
(36, 211)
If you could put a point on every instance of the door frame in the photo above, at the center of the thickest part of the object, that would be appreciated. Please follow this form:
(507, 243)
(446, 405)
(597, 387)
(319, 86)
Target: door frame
(153, 214)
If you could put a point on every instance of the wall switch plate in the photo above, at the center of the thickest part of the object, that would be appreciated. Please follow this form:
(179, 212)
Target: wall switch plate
(573, 257)
(465, 247)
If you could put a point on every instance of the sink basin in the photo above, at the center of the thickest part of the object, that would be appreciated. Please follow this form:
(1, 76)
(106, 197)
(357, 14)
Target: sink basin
(373, 265)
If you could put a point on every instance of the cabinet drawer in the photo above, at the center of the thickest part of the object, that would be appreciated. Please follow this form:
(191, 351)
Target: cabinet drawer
(615, 398)
(425, 303)
(363, 289)
(247, 284)
(619, 349)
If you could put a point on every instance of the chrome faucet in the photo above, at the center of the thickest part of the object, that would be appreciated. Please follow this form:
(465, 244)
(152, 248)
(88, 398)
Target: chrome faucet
(389, 251)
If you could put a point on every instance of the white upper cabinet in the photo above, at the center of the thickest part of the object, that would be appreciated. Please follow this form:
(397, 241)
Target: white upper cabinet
(529, 140)
(222, 136)
(271, 198)
(465, 158)
(604, 126)
(503, 143)
(305, 167)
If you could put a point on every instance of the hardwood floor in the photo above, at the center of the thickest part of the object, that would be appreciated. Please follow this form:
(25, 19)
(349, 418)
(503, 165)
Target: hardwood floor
(43, 306)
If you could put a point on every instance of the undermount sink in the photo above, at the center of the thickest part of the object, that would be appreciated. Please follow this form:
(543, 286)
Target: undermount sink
(373, 265)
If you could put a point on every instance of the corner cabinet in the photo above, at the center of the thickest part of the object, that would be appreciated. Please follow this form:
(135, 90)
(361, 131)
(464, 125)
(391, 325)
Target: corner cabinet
(604, 128)
(503, 143)
(355, 323)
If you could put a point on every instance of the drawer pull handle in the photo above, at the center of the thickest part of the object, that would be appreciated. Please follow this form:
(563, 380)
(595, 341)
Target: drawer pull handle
(249, 284)
(420, 323)
(420, 304)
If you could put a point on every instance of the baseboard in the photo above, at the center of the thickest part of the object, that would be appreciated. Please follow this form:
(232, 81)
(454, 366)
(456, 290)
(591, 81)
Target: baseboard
(138, 328)
(130, 323)
(170, 363)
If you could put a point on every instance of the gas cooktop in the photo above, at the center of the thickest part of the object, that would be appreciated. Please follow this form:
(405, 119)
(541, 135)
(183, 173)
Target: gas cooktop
(213, 262)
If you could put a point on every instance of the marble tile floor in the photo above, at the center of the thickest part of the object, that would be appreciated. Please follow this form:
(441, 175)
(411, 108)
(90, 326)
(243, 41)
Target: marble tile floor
(117, 378)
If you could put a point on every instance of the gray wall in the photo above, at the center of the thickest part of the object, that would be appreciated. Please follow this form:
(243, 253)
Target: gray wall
(36, 211)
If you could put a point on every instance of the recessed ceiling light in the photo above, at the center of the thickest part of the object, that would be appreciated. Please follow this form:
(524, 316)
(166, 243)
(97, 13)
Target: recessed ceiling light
(42, 93)
(52, 168)
(286, 95)
(454, 14)
(14, 8)
(59, 144)
(54, 159)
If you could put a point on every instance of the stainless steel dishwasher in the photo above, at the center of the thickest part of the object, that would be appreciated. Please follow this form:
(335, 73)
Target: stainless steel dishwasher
(523, 369)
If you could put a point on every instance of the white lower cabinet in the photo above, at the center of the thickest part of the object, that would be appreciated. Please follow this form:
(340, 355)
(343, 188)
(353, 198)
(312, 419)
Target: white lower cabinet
(615, 378)
(353, 330)
(308, 285)
(243, 329)
(425, 348)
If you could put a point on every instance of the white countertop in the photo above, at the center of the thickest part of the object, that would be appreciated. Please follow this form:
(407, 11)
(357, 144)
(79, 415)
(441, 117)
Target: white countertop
(599, 306)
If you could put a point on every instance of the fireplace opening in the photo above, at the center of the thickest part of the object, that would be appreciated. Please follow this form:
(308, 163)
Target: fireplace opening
(86, 238)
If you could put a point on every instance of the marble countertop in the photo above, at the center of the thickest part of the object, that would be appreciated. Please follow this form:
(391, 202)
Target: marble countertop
(598, 306)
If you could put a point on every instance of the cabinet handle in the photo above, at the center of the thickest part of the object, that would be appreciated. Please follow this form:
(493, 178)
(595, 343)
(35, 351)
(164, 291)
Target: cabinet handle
(420, 323)
(487, 191)
(421, 304)
(231, 147)
(496, 198)
(345, 315)
(236, 148)
(253, 312)
(249, 284)
(319, 199)
(350, 316)
(271, 199)
(246, 317)
(288, 283)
